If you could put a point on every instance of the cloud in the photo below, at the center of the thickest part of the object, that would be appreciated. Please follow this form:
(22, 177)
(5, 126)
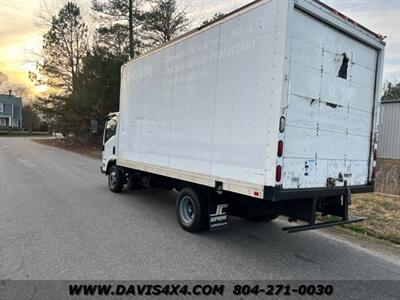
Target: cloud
(200, 10)
(20, 35)
(17, 34)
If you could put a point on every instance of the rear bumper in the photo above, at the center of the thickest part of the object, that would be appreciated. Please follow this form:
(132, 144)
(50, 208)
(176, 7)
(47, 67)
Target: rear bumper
(320, 225)
(279, 194)
(307, 204)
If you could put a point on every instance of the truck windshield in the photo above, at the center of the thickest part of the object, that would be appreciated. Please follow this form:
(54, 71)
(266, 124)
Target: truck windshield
(111, 129)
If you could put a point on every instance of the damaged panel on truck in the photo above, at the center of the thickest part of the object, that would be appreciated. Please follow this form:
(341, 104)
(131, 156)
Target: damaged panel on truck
(330, 103)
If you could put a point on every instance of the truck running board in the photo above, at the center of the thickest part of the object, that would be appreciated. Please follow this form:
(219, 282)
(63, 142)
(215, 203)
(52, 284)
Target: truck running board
(320, 225)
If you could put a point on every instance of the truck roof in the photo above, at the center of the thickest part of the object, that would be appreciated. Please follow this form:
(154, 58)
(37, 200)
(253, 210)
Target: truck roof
(332, 10)
(340, 16)
(347, 19)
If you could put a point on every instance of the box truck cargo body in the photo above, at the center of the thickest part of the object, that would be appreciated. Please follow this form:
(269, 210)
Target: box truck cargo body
(274, 103)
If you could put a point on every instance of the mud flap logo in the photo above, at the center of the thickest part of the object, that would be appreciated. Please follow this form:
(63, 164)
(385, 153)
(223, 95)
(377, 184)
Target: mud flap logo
(219, 220)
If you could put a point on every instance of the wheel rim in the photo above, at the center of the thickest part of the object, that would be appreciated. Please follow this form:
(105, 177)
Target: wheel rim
(187, 209)
(112, 178)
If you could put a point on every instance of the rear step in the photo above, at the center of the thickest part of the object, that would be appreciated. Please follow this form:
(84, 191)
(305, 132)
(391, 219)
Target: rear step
(339, 211)
(320, 225)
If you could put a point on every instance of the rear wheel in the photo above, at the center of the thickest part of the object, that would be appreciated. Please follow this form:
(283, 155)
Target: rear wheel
(191, 210)
(115, 179)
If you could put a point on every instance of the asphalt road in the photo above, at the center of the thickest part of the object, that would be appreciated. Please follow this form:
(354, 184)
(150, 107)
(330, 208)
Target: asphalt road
(58, 220)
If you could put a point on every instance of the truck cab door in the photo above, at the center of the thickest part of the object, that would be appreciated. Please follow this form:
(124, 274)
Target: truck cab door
(109, 142)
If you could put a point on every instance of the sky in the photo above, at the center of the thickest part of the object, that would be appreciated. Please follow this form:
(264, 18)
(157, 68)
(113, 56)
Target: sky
(21, 35)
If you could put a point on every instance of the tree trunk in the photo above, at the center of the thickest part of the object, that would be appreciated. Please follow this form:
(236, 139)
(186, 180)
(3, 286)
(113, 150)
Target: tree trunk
(131, 48)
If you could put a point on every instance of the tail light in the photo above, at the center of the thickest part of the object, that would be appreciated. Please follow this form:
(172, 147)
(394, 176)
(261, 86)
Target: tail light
(280, 148)
(375, 155)
(278, 175)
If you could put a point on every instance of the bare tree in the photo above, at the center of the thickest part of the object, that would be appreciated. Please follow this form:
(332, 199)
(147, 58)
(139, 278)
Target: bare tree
(130, 10)
(391, 91)
(216, 17)
(64, 47)
(164, 21)
(47, 9)
(120, 14)
(3, 78)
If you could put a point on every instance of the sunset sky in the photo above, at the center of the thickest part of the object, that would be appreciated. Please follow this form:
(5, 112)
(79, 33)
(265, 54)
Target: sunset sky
(20, 35)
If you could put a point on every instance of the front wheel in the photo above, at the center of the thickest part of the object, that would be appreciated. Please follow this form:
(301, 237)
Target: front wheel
(191, 210)
(115, 179)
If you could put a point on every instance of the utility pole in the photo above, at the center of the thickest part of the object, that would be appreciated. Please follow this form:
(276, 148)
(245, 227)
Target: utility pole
(131, 46)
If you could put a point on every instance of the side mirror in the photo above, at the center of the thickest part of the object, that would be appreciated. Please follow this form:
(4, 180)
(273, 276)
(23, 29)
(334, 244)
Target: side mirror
(102, 148)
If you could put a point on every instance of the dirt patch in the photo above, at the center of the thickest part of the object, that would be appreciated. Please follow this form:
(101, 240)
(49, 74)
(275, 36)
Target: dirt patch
(71, 145)
(382, 213)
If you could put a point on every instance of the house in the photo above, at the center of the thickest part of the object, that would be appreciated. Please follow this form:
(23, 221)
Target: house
(10, 111)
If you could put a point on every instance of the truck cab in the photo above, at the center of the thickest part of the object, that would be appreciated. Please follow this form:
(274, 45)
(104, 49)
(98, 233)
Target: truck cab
(108, 155)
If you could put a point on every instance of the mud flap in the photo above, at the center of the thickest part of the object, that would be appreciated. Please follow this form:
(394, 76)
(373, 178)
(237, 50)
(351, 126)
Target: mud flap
(217, 214)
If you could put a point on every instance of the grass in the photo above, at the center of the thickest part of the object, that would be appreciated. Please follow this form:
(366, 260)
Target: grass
(382, 214)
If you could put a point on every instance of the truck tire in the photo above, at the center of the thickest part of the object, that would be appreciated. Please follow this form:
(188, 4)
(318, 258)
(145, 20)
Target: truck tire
(191, 210)
(115, 179)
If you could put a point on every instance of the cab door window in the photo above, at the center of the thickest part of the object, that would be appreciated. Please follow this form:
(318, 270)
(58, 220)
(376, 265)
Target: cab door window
(111, 129)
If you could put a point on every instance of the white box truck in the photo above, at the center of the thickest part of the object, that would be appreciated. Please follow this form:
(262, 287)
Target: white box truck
(269, 111)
